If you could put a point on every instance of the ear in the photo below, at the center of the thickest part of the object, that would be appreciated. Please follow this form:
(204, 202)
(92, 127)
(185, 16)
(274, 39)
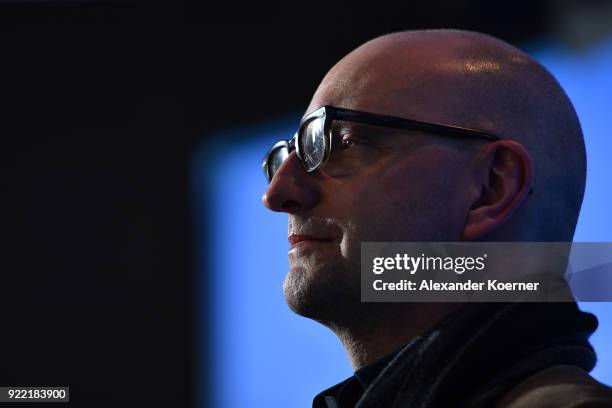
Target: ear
(504, 176)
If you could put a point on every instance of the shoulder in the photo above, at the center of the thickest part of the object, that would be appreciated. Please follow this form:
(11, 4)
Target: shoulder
(561, 386)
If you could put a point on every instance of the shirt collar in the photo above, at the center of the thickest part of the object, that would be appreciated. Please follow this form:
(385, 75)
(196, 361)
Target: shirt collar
(366, 375)
(349, 391)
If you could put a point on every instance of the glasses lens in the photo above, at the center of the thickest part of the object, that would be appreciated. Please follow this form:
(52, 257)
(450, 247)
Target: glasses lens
(312, 143)
(277, 157)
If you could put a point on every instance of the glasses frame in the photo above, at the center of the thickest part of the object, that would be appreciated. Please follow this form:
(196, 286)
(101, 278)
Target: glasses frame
(330, 113)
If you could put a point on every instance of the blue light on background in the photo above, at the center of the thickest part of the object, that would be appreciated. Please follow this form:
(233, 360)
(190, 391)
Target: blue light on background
(265, 356)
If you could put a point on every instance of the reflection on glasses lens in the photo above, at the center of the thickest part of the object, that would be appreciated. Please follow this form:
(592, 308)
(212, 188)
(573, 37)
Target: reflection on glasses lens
(313, 143)
(277, 158)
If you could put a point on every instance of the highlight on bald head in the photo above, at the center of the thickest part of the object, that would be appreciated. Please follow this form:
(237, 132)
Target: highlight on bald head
(473, 80)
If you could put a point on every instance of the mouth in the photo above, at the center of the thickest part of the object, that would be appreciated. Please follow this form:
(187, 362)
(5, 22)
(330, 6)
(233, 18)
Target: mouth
(298, 240)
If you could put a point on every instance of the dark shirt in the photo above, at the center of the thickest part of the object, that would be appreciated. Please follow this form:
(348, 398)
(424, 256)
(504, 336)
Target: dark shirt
(348, 392)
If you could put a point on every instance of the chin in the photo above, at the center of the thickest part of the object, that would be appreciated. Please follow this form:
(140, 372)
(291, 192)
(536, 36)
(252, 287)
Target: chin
(321, 294)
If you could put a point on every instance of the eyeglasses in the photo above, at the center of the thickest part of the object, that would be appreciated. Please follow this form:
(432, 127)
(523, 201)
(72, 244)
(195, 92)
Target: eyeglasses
(313, 140)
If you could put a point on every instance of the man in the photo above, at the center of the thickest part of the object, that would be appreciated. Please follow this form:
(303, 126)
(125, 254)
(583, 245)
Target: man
(436, 135)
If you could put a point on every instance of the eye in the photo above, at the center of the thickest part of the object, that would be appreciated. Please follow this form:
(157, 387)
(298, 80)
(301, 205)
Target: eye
(348, 142)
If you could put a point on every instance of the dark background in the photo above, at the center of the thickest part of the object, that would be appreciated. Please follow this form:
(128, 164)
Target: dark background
(103, 104)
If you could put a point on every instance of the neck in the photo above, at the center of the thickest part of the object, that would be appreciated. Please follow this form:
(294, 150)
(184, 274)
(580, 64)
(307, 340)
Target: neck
(385, 327)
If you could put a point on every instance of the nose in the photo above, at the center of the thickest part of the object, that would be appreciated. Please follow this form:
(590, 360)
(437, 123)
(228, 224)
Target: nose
(291, 190)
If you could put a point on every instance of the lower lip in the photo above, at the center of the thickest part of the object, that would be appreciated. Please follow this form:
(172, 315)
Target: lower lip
(309, 243)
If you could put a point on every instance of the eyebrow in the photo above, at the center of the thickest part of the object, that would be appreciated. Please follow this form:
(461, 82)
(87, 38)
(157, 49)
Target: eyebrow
(369, 131)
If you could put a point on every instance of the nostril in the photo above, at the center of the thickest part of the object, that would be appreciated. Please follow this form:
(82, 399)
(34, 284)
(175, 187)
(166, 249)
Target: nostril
(290, 204)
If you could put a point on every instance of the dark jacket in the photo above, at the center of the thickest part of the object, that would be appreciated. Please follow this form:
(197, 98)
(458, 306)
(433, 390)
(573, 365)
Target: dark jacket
(517, 355)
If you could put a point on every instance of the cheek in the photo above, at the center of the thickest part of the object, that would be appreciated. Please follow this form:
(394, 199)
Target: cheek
(410, 200)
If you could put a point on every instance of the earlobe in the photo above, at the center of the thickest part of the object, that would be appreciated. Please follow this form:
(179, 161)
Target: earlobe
(503, 177)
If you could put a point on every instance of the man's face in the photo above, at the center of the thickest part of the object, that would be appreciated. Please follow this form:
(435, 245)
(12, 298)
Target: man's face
(378, 185)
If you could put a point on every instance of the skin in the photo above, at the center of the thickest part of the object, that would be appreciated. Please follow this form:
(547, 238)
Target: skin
(412, 186)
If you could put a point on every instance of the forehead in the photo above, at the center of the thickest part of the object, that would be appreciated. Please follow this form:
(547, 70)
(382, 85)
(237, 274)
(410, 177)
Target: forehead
(445, 82)
(379, 86)
(348, 87)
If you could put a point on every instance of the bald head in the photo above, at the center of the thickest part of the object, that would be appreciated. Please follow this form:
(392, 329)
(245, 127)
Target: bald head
(473, 80)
